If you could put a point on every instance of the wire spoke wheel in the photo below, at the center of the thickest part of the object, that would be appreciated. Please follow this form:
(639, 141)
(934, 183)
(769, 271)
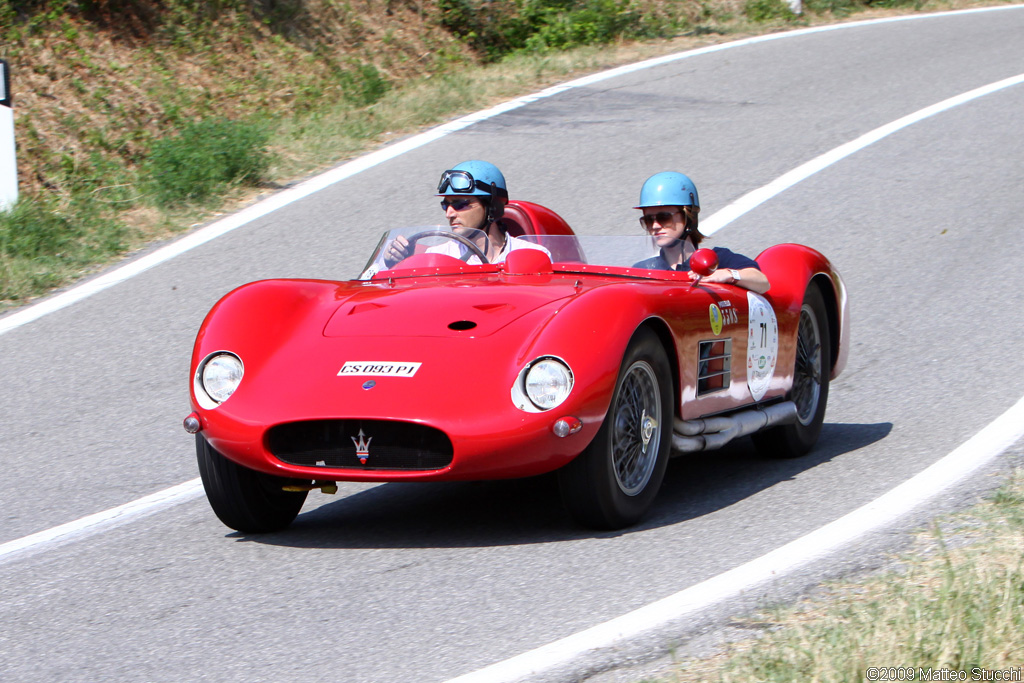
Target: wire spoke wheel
(635, 434)
(613, 482)
(811, 369)
(808, 371)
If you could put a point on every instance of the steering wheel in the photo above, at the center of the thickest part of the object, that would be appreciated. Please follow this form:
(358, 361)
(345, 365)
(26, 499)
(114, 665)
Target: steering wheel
(450, 235)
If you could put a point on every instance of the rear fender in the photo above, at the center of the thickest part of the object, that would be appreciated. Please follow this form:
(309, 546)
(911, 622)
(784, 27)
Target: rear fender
(791, 268)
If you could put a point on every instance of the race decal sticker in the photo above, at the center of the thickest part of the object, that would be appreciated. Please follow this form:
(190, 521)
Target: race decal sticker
(378, 369)
(762, 345)
(715, 313)
(722, 314)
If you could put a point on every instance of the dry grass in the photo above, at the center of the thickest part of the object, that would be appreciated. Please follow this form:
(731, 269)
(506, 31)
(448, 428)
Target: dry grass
(82, 88)
(942, 607)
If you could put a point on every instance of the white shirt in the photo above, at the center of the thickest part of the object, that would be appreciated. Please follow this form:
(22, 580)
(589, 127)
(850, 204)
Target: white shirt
(453, 248)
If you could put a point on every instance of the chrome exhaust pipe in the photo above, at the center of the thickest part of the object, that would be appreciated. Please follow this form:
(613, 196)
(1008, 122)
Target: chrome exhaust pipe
(714, 432)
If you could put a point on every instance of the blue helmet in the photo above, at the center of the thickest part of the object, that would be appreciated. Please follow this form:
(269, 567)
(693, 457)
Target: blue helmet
(668, 188)
(474, 178)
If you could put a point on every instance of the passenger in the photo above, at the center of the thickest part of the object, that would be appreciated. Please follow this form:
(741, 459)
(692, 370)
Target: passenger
(474, 196)
(670, 205)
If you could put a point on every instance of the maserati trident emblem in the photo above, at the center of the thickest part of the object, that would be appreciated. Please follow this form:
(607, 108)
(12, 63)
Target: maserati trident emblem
(362, 447)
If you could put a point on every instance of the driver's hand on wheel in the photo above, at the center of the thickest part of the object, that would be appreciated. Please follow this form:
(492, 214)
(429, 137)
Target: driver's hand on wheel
(396, 251)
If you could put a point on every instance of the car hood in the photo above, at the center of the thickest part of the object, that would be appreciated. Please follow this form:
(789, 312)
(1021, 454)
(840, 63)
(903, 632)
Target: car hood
(456, 308)
(404, 350)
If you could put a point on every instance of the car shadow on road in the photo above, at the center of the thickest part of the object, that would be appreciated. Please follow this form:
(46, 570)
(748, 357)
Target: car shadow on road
(700, 483)
(525, 511)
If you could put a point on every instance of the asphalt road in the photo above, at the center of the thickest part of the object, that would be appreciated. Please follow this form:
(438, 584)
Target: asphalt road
(427, 582)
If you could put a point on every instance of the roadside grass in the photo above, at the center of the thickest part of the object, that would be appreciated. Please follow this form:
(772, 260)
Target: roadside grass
(953, 603)
(42, 245)
(92, 210)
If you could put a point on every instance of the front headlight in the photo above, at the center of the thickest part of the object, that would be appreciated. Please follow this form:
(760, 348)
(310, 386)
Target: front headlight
(220, 375)
(548, 382)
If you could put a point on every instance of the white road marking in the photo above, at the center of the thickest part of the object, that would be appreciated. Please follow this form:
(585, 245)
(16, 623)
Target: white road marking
(982, 448)
(101, 521)
(281, 199)
(755, 198)
(977, 451)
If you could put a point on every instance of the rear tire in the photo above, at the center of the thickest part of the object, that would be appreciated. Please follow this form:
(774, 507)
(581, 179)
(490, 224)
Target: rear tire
(246, 500)
(613, 483)
(810, 384)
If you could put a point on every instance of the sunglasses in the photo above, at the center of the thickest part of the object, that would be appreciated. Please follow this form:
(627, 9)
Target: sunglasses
(457, 204)
(662, 217)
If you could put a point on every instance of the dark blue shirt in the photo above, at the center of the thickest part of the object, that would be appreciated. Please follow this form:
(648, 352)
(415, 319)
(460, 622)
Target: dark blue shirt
(726, 260)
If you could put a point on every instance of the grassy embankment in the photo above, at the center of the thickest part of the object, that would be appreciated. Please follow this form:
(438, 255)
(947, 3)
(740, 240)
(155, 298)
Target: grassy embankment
(953, 607)
(136, 119)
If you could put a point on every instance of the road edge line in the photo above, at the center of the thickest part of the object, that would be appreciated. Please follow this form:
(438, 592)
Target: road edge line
(91, 524)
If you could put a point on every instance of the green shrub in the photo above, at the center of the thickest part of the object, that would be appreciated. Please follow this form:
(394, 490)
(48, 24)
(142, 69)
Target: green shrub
(491, 29)
(204, 158)
(363, 85)
(593, 22)
(762, 11)
(496, 29)
(839, 8)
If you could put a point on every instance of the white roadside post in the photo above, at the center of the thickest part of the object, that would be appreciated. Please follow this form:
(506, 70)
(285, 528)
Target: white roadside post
(795, 6)
(8, 159)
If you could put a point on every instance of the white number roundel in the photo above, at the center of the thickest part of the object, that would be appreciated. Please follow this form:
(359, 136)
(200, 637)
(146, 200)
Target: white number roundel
(762, 345)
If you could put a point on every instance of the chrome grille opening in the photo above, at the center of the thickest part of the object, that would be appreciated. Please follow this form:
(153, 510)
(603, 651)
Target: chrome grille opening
(384, 444)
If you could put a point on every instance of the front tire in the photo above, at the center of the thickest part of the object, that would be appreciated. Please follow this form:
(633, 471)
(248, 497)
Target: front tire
(810, 384)
(613, 483)
(245, 500)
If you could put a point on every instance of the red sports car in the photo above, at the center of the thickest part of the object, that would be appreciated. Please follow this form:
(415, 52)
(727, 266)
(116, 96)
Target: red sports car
(445, 367)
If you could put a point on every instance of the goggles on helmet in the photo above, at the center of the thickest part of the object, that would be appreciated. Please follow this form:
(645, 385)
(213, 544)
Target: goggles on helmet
(462, 182)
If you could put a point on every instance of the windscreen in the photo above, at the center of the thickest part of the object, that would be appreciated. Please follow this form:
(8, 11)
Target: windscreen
(471, 246)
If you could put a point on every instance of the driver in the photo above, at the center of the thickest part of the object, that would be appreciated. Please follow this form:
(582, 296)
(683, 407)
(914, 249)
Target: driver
(473, 196)
(670, 205)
